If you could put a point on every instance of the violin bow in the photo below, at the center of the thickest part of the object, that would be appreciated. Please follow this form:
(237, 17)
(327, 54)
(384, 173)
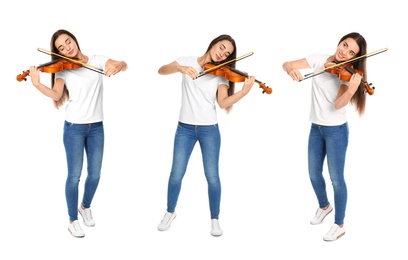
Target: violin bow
(88, 66)
(225, 63)
(317, 72)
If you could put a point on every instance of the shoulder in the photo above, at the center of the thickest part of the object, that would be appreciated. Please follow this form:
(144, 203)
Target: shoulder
(186, 60)
(96, 57)
(98, 60)
(317, 58)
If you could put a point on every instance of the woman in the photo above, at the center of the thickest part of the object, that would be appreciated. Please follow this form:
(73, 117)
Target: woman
(329, 128)
(82, 88)
(198, 121)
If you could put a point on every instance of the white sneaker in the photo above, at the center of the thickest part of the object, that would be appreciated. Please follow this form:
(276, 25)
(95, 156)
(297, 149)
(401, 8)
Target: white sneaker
(86, 216)
(166, 221)
(320, 215)
(215, 228)
(75, 229)
(334, 233)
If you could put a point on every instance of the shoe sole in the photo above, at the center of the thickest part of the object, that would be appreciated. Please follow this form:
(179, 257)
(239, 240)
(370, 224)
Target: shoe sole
(336, 238)
(74, 235)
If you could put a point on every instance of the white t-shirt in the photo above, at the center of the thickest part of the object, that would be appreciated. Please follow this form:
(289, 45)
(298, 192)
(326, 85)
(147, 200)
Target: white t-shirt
(325, 87)
(85, 87)
(198, 95)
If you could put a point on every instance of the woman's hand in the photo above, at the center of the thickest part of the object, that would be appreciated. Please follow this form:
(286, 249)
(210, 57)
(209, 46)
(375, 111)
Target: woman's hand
(113, 67)
(292, 68)
(188, 70)
(35, 76)
(248, 83)
(354, 83)
(292, 72)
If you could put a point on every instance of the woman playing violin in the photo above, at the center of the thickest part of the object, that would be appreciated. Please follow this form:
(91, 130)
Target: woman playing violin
(198, 121)
(329, 131)
(83, 126)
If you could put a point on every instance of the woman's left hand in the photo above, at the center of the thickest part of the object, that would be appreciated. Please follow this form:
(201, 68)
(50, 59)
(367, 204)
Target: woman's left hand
(354, 82)
(248, 83)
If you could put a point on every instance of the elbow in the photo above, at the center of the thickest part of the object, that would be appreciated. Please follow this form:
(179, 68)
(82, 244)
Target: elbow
(124, 66)
(57, 97)
(338, 106)
(285, 66)
(222, 105)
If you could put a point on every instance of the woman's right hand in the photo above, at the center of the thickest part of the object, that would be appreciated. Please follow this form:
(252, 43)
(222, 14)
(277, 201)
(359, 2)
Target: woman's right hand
(292, 68)
(292, 72)
(188, 70)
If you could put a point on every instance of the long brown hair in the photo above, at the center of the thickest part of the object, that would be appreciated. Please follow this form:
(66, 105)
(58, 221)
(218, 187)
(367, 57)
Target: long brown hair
(359, 98)
(232, 56)
(54, 49)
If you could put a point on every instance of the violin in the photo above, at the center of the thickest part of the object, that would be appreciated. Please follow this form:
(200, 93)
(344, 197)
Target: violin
(233, 75)
(53, 66)
(345, 71)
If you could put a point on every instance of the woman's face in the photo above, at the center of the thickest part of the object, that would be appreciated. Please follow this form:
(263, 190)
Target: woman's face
(221, 50)
(66, 46)
(346, 50)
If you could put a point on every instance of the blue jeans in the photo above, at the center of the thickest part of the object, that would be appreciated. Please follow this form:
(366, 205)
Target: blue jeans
(209, 139)
(330, 141)
(77, 139)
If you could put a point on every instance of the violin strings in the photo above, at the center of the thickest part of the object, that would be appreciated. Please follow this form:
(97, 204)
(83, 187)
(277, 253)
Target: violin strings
(225, 63)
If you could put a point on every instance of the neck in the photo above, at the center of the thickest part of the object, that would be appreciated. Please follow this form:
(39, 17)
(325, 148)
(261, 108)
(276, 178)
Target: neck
(206, 58)
(81, 57)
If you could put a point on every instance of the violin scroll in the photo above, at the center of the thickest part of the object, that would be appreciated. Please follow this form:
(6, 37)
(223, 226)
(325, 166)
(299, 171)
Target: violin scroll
(265, 88)
(369, 89)
(23, 76)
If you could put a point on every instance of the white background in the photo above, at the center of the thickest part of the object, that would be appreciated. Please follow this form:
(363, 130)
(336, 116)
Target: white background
(267, 198)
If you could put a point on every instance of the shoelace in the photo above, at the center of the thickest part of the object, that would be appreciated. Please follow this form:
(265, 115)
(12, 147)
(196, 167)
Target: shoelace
(333, 230)
(166, 218)
(88, 214)
(76, 226)
(216, 225)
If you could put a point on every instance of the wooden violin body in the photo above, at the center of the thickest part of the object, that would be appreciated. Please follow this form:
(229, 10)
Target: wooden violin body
(233, 75)
(52, 67)
(345, 72)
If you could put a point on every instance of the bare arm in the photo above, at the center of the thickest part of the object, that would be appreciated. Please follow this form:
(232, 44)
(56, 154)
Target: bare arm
(174, 67)
(292, 68)
(54, 93)
(225, 101)
(112, 67)
(346, 92)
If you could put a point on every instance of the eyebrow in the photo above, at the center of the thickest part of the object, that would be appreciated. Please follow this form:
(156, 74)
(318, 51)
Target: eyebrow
(229, 53)
(65, 42)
